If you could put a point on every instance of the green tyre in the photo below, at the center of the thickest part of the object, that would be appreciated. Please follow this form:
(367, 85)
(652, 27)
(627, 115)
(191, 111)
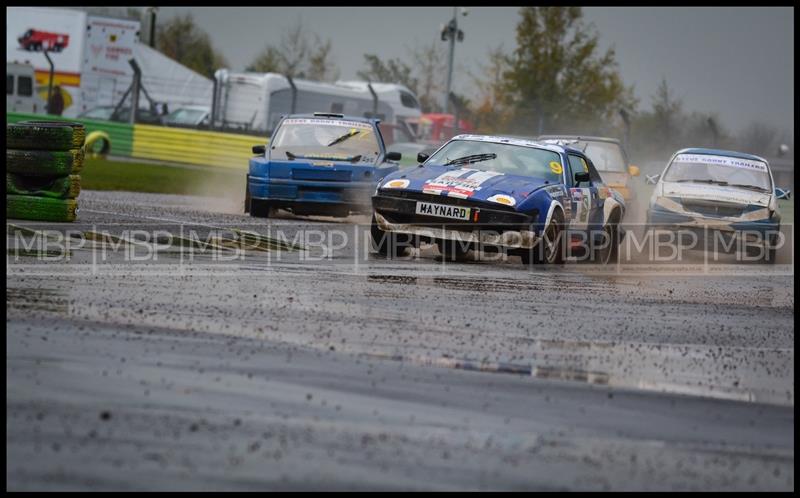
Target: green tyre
(24, 207)
(45, 135)
(44, 162)
(63, 187)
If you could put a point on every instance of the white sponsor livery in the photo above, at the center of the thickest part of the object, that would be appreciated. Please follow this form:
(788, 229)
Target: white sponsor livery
(443, 211)
(328, 122)
(715, 193)
(460, 183)
(732, 162)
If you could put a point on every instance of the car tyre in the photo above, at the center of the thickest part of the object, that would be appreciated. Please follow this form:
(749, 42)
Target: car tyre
(550, 248)
(386, 243)
(609, 253)
(452, 250)
(261, 209)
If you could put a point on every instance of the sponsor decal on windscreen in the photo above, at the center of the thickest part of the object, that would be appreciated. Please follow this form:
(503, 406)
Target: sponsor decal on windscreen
(733, 162)
(328, 122)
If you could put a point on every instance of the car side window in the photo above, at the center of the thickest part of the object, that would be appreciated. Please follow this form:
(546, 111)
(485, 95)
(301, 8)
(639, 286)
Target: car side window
(593, 174)
(578, 165)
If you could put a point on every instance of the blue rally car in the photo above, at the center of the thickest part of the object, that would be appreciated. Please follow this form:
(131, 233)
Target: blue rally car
(539, 201)
(324, 164)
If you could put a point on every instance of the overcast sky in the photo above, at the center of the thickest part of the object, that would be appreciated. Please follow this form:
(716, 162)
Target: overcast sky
(738, 62)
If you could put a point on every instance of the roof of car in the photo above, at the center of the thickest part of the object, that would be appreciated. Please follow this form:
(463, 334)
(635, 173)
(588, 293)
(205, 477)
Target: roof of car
(524, 142)
(585, 138)
(720, 152)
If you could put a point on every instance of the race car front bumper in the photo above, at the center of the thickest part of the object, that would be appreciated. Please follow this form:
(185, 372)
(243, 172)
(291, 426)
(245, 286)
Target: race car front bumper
(355, 195)
(510, 239)
(754, 230)
(489, 226)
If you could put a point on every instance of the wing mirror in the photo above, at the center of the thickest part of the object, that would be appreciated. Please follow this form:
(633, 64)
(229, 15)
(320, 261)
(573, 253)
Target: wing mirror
(783, 194)
(651, 179)
(633, 170)
(581, 177)
(393, 156)
(259, 150)
(422, 157)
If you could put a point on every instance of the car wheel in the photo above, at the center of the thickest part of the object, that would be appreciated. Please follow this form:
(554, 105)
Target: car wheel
(261, 209)
(767, 254)
(451, 250)
(550, 248)
(610, 247)
(247, 195)
(386, 243)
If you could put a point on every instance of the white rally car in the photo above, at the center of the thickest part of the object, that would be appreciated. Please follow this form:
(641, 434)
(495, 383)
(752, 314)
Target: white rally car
(718, 192)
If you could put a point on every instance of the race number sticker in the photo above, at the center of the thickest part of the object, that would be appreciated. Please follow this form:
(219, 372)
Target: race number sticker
(556, 167)
(731, 162)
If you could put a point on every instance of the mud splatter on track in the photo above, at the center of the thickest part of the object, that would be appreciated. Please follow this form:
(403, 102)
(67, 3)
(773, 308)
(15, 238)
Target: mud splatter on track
(267, 372)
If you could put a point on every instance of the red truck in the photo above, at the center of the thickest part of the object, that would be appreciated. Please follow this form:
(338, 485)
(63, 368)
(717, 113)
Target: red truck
(36, 41)
(439, 128)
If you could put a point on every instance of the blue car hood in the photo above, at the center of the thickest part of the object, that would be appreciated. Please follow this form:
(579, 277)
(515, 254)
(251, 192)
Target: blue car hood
(464, 183)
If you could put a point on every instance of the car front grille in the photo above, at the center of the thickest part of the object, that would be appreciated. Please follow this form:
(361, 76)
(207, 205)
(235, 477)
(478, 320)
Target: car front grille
(713, 209)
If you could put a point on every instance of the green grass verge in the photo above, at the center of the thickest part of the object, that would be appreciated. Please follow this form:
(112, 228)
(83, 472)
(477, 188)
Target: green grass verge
(105, 174)
(786, 209)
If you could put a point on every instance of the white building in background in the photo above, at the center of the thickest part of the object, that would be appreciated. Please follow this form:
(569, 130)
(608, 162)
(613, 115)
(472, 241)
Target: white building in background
(91, 55)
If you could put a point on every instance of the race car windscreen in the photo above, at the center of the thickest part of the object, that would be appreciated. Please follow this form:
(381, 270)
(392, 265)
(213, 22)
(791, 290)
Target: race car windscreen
(606, 156)
(325, 139)
(719, 170)
(508, 158)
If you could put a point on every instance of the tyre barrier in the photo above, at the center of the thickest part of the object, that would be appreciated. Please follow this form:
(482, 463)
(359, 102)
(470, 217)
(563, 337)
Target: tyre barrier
(45, 135)
(62, 187)
(47, 163)
(105, 144)
(26, 207)
(43, 159)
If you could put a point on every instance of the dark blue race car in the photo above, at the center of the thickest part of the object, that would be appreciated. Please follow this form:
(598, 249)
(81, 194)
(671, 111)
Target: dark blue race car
(526, 198)
(324, 164)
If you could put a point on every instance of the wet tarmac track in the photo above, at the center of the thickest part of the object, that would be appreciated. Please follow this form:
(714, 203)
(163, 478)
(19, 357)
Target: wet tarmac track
(296, 369)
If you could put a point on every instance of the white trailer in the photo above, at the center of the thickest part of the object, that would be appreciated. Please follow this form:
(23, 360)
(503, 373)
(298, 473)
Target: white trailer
(400, 98)
(256, 101)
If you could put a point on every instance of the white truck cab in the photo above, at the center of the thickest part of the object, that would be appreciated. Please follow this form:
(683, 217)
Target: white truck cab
(21, 93)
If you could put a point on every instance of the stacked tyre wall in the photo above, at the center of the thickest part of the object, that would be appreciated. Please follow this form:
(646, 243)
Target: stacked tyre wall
(43, 162)
(205, 148)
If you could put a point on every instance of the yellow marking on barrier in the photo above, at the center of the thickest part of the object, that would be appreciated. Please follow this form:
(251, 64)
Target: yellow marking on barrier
(206, 148)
